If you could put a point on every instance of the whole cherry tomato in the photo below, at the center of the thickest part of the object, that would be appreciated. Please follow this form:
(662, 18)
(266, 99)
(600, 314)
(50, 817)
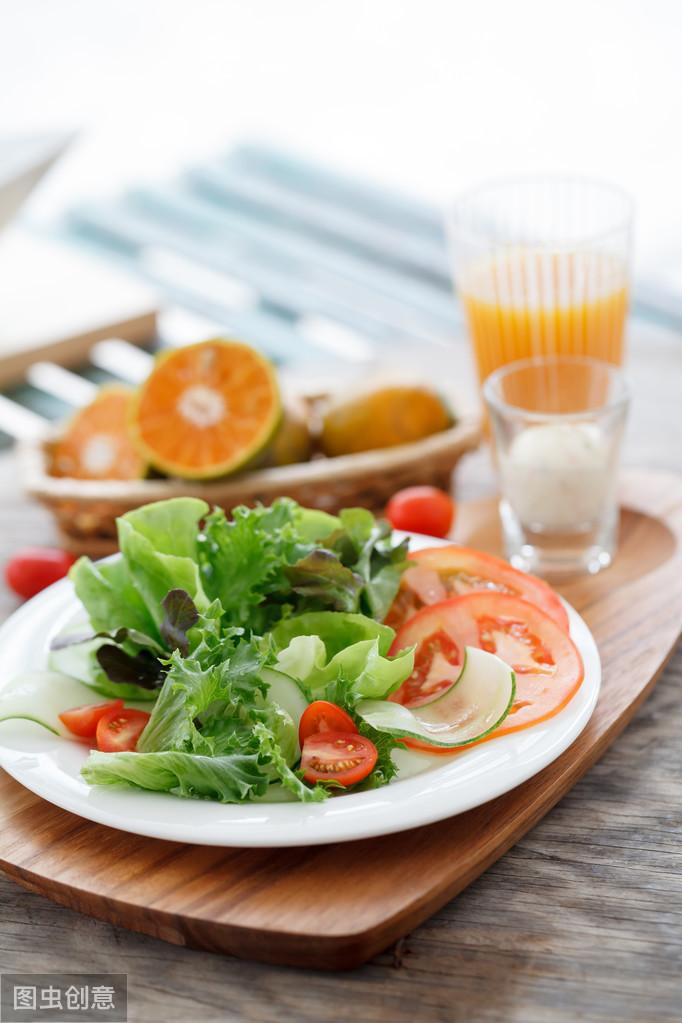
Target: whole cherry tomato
(31, 569)
(422, 510)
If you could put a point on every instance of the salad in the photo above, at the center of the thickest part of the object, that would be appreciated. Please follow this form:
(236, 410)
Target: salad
(285, 653)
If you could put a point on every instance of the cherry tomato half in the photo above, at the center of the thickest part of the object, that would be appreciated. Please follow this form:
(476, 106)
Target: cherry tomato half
(31, 569)
(421, 510)
(439, 573)
(323, 716)
(120, 729)
(343, 757)
(82, 721)
(547, 664)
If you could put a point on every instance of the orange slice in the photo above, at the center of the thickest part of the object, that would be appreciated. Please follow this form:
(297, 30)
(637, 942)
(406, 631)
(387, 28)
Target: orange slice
(96, 444)
(206, 410)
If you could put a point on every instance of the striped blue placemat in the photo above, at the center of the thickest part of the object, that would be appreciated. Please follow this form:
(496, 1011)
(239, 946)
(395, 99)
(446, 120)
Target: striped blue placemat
(273, 246)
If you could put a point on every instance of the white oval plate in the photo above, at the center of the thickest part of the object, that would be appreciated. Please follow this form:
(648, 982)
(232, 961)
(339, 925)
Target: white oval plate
(427, 789)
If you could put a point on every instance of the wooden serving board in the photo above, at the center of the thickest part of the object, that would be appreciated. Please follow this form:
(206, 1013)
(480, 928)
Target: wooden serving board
(336, 906)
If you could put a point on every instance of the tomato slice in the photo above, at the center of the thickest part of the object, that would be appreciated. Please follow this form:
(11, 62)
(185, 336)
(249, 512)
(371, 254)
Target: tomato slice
(82, 721)
(323, 716)
(120, 729)
(439, 573)
(437, 663)
(548, 666)
(343, 757)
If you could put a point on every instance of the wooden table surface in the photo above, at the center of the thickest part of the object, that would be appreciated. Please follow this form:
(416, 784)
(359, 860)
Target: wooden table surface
(582, 920)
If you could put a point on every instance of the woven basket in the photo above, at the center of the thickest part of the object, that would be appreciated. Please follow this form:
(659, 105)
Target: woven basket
(86, 510)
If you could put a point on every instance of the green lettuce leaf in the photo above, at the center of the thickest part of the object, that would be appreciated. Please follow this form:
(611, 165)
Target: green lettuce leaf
(380, 560)
(321, 576)
(180, 615)
(314, 525)
(336, 629)
(143, 669)
(384, 769)
(159, 546)
(271, 754)
(243, 559)
(227, 779)
(268, 563)
(80, 662)
(107, 592)
(170, 526)
(319, 659)
(192, 688)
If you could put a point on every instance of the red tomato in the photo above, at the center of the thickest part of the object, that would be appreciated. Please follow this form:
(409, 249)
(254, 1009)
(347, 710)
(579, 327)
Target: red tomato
(437, 663)
(33, 568)
(323, 716)
(548, 666)
(421, 510)
(343, 757)
(439, 573)
(82, 721)
(120, 729)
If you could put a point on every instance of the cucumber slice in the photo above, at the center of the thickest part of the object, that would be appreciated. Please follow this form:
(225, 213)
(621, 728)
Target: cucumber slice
(285, 692)
(476, 703)
(40, 697)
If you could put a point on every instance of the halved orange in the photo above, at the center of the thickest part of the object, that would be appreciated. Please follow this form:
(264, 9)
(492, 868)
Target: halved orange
(96, 444)
(206, 410)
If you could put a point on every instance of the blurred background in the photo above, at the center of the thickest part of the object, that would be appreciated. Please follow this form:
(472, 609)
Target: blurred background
(279, 171)
(428, 96)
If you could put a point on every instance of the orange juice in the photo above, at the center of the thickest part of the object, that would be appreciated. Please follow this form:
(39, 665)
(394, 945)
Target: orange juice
(529, 303)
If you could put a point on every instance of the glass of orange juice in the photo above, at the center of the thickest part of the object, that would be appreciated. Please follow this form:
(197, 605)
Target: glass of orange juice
(541, 265)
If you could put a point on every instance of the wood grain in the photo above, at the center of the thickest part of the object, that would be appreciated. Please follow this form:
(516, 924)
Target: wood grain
(266, 904)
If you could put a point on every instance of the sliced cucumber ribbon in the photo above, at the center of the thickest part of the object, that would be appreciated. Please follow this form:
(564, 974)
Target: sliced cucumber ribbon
(40, 697)
(477, 702)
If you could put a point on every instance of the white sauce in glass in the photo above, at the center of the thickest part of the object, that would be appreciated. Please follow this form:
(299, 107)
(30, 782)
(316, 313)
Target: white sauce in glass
(558, 476)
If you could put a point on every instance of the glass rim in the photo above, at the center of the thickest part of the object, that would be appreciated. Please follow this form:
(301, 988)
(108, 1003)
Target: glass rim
(613, 404)
(458, 231)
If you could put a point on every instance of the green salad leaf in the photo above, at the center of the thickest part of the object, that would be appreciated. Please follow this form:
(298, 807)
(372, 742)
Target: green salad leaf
(192, 689)
(385, 769)
(79, 661)
(321, 576)
(180, 615)
(243, 559)
(159, 544)
(268, 563)
(215, 617)
(336, 630)
(271, 754)
(110, 597)
(320, 661)
(376, 557)
(230, 778)
(142, 669)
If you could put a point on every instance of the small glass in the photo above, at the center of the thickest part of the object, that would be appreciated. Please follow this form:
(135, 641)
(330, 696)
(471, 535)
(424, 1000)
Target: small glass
(557, 424)
(542, 266)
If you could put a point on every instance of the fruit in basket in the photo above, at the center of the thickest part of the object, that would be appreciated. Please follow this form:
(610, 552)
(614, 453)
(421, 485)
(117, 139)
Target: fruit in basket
(382, 418)
(96, 443)
(206, 410)
(293, 440)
